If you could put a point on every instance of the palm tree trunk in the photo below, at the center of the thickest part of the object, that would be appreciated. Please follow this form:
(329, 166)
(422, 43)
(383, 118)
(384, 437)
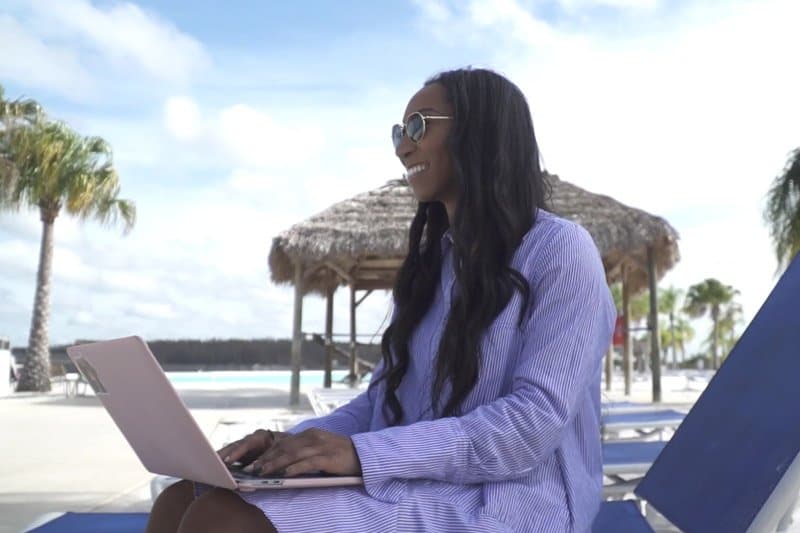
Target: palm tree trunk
(36, 375)
(672, 340)
(715, 343)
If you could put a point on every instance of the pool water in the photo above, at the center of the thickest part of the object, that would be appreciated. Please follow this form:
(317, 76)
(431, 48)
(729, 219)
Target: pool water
(275, 378)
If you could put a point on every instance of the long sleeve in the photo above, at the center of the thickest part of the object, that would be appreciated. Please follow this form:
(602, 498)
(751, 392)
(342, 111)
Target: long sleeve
(563, 342)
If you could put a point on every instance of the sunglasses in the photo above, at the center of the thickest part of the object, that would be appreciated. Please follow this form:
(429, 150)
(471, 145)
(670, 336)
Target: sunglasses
(414, 128)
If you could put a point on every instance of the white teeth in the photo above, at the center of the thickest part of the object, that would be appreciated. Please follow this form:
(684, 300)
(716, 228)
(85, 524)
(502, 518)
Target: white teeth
(416, 169)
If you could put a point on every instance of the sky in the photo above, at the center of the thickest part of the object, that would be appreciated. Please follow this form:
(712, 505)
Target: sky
(230, 125)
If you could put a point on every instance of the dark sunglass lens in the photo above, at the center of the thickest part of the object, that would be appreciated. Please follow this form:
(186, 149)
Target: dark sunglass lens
(397, 135)
(415, 127)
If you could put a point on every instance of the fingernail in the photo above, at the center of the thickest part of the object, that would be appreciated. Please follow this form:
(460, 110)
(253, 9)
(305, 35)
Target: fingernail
(227, 459)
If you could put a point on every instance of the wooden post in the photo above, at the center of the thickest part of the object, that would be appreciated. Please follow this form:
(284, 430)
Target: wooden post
(655, 351)
(353, 377)
(610, 359)
(329, 339)
(626, 329)
(297, 335)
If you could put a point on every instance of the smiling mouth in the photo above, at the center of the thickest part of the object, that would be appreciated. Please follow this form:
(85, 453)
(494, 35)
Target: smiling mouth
(416, 169)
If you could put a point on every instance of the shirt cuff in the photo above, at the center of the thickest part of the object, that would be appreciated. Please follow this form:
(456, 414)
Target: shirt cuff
(424, 450)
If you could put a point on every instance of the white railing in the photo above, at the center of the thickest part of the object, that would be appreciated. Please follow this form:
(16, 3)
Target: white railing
(5, 367)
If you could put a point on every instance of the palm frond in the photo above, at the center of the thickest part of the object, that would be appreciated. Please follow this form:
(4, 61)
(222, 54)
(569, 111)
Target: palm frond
(57, 167)
(782, 211)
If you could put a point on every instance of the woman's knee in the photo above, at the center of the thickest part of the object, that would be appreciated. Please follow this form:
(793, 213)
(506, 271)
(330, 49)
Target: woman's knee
(221, 510)
(169, 507)
(182, 490)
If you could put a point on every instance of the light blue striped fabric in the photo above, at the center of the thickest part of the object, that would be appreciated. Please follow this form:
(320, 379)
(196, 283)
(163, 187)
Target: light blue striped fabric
(526, 455)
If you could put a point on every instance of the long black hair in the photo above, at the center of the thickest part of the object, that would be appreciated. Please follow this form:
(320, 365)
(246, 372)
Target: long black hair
(500, 185)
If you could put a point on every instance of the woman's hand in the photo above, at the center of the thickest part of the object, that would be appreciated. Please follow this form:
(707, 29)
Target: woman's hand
(313, 450)
(246, 449)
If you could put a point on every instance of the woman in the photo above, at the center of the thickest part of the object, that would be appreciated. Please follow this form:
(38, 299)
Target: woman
(484, 412)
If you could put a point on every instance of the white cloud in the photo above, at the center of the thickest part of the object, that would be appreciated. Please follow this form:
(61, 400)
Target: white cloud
(23, 224)
(127, 281)
(577, 5)
(83, 318)
(128, 36)
(27, 59)
(152, 310)
(513, 16)
(434, 11)
(182, 118)
(69, 266)
(18, 258)
(252, 139)
(255, 138)
(59, 45)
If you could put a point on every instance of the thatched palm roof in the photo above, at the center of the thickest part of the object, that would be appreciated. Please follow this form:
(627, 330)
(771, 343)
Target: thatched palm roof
(363, 239)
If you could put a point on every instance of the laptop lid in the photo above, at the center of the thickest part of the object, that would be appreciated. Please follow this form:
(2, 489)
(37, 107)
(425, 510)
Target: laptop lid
(130, 383)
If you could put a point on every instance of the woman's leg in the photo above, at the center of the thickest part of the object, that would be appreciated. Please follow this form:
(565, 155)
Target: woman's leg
(169, 507)
(222, 511)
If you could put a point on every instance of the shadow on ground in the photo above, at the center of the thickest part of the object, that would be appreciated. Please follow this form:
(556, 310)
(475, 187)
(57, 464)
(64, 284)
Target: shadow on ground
(238, 398)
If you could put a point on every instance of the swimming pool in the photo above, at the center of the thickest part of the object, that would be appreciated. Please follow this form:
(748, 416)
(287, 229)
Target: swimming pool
(258, 378)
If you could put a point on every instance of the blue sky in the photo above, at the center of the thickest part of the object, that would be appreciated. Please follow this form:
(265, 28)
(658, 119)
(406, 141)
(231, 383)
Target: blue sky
(229, 125)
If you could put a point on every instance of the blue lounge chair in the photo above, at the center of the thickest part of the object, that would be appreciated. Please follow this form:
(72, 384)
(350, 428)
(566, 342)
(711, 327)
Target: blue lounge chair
(732, 465)
(93, 523)
(625, 463)
(611, 407)
(643, 424)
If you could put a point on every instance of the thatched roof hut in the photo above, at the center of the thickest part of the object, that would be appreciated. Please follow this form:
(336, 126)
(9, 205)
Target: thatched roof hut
(363, 239)
(361, 242)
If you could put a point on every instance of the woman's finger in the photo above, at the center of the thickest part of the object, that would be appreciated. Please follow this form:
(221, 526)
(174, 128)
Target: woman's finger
(256, 443)
(287, 442)
(317, 463)
(226, 450)
(271, 462)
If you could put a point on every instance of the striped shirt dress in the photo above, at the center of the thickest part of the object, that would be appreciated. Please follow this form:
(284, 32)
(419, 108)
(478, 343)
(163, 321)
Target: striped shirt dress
(526, 454)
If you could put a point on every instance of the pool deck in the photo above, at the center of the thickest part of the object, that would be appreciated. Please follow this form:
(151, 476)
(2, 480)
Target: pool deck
(65, 454)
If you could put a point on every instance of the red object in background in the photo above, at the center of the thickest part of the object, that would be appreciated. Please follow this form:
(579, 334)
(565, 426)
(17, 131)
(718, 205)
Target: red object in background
(619, 332)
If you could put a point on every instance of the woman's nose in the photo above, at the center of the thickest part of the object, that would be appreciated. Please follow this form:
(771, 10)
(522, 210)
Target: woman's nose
(404, 149)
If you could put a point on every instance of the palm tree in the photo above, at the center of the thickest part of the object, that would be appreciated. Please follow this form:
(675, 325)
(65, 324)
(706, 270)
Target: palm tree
(710, 296)
(684, 333)
(677, 335)
(21, 108)
(730, 317)
(782, 212)
(14, 113)
(56, 169)
(668, 304)
(639, 309)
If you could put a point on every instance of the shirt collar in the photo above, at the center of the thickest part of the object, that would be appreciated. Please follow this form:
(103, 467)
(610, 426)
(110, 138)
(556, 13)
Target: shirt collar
(446, 241)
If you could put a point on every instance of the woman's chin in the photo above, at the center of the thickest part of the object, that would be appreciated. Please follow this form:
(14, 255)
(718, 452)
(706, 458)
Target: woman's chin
(422, 196)
(420, 192)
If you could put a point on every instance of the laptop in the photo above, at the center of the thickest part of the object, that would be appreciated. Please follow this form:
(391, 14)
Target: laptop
(143, 403)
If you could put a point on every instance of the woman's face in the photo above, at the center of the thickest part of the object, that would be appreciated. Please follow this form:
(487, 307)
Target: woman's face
(429, 166)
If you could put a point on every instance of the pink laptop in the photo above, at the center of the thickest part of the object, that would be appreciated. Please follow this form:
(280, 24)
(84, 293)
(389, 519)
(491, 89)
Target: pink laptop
(137, 394)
